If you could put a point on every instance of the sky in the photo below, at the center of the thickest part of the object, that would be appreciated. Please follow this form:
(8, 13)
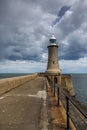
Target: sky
(26, 27)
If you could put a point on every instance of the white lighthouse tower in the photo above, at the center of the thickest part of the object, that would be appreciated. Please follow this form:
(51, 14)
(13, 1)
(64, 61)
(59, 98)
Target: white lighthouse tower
(53, 65)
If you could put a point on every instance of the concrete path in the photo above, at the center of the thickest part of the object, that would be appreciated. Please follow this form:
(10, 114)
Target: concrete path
(57, 118)
(20, 109)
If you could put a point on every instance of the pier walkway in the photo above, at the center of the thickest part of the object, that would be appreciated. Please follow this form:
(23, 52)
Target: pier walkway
(20, 108)
(25, 107)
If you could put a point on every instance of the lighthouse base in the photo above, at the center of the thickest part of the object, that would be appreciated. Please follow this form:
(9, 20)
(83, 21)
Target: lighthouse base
(52, 71)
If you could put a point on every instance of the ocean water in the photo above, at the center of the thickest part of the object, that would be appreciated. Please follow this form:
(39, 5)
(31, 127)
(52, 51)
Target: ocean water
(9, 75)
(80, 86)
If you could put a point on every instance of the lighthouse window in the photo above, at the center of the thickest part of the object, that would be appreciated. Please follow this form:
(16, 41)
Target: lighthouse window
(53, 62)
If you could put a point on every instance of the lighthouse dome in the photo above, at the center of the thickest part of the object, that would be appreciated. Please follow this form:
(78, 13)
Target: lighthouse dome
(53, 37)
(52, 40)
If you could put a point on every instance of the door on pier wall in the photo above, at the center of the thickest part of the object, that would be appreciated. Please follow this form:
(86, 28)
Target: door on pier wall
(55, 80)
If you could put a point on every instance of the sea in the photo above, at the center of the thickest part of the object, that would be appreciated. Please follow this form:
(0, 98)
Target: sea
(79, 82)
(9, 75)
(80, 86)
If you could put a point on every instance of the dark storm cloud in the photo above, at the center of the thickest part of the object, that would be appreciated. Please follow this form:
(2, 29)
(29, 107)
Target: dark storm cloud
(23, 27)
(61, 12)
(73, 52)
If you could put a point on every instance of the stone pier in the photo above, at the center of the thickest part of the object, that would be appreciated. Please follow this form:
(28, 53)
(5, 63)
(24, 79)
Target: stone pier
(31, 105)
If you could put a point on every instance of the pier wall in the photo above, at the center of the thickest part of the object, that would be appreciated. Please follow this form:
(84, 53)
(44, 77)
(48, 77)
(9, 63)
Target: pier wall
(66, 82)
(10, 83)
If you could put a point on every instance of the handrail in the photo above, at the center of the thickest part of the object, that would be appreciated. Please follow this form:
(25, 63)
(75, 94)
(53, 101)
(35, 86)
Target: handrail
(62, 95)
(73, 103)
(77, 107)
(74, 107)
(71, 100)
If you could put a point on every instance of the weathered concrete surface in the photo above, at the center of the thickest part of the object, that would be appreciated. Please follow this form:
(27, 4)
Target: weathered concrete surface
(66, 83)
(57, 119)
(10, 83)
(20, 109)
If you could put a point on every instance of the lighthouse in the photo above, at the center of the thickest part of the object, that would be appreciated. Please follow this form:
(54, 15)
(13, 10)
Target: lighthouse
(53, 65)
(53, 72)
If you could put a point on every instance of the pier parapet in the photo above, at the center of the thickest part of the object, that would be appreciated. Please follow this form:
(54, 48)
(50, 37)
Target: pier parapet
(10, 83)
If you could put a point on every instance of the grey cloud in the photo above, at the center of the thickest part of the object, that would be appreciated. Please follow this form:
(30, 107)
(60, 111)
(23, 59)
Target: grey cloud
(73, 32)
(61, 12)
(73, 52)
(25, 28)
(75, 18)
(51, 6)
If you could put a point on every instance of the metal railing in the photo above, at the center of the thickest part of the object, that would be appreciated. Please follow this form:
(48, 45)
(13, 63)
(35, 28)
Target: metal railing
(73, 111)
(82, 118)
